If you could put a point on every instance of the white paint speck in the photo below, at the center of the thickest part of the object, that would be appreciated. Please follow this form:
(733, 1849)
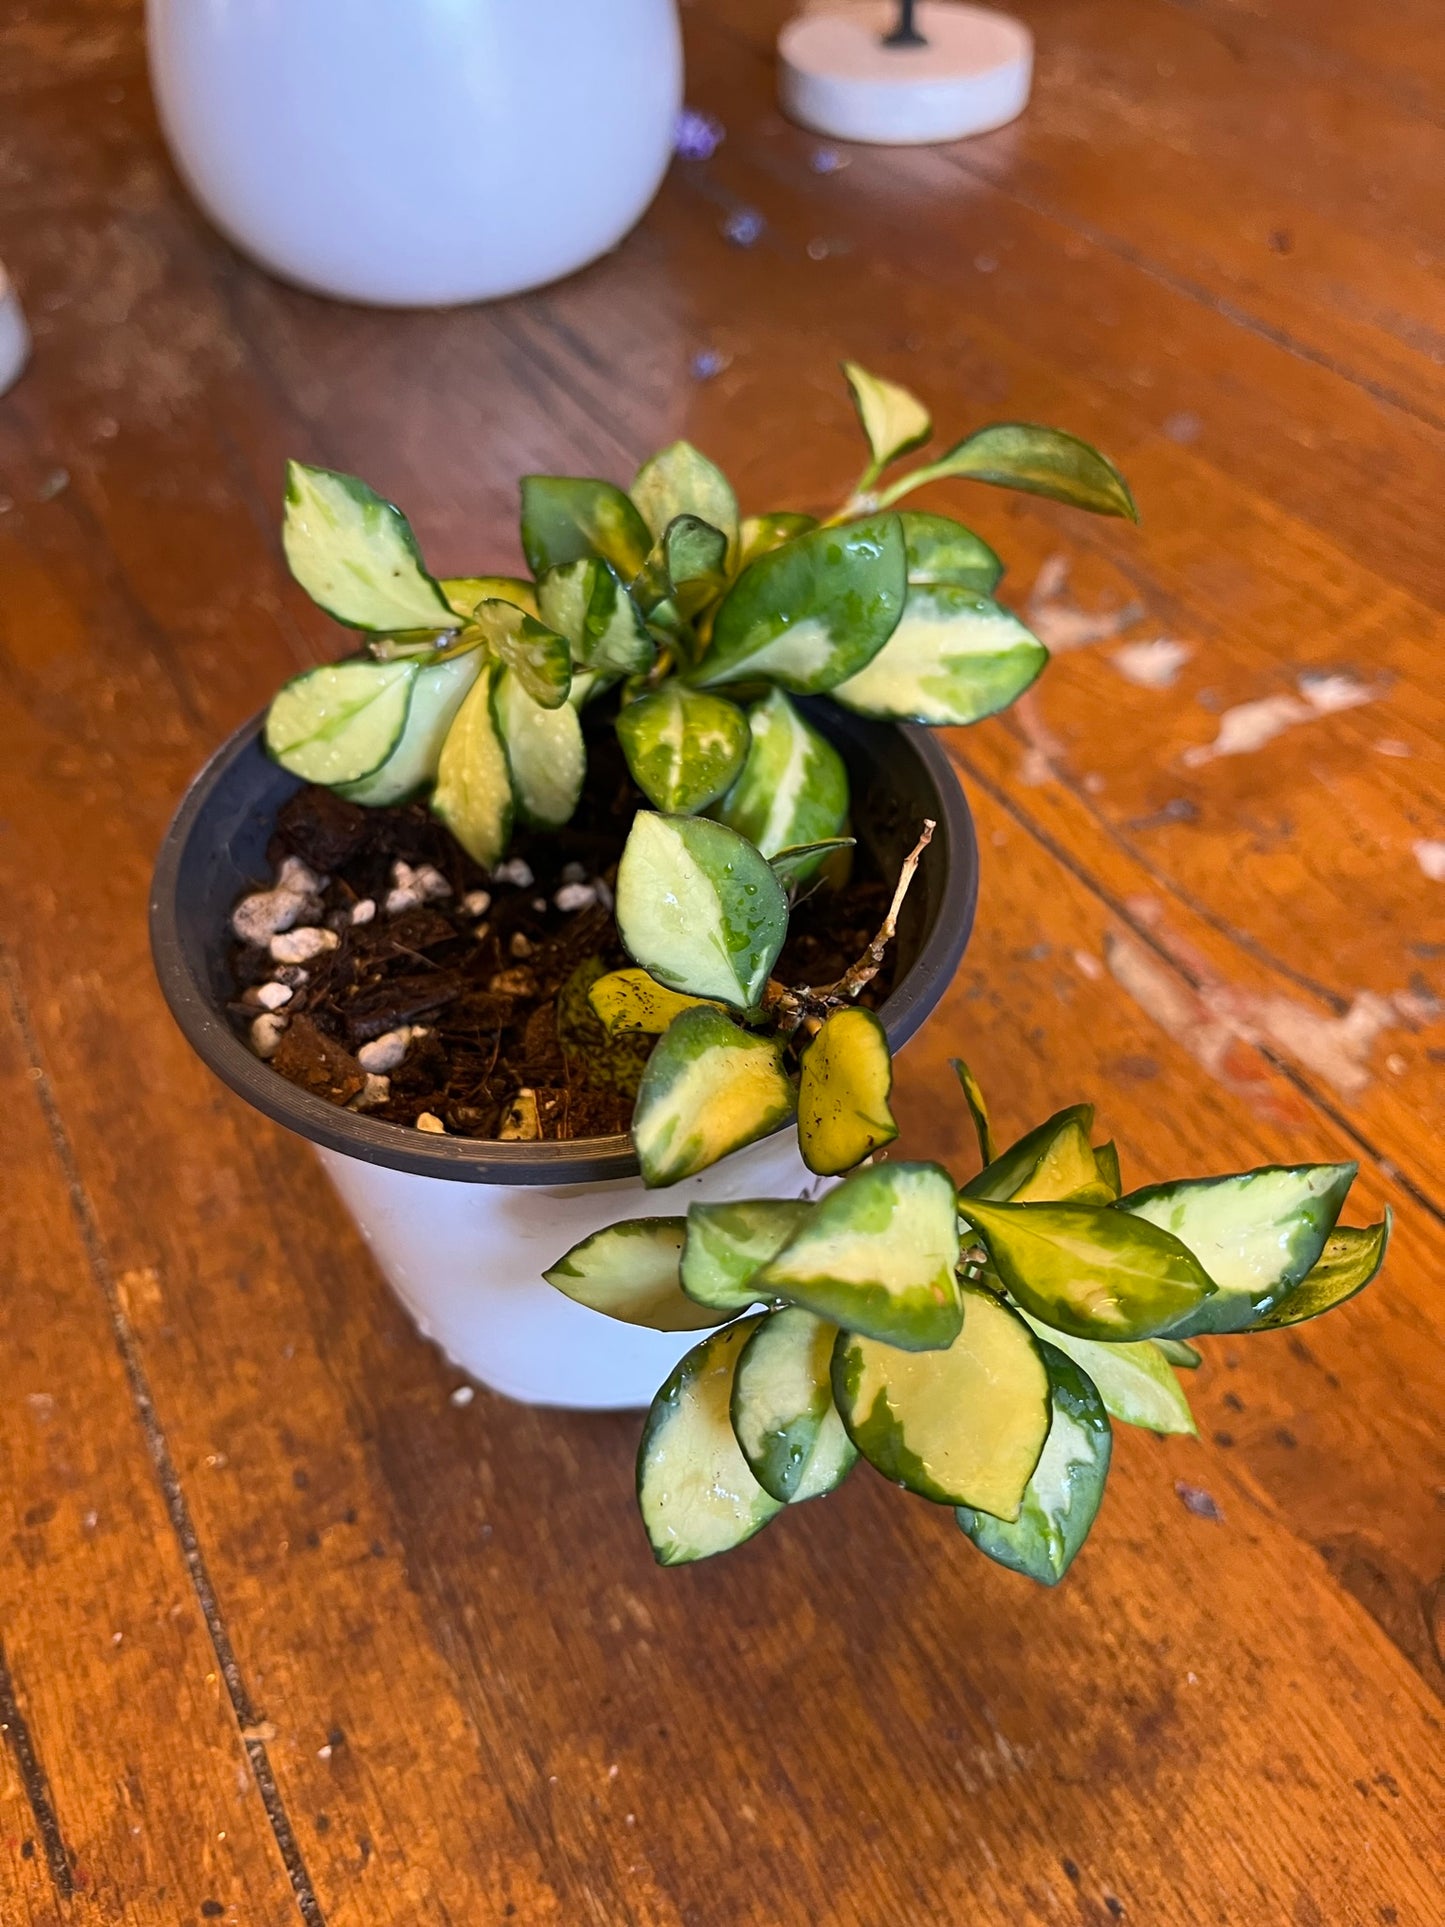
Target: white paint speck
(1430, 855)
(1249, 726)
(462, 1396)
(1152, 665)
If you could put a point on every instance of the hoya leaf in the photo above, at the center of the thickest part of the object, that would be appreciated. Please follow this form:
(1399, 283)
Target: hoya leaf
(796, 865)
(545, 751)
(683, 746)
(1062, 1497)
(695, 1490)
(464, 592)
(698, 908)
(877, 1255)
(473, 794)
(728, 1244)
(628, 1271)
(1066, 1170)
(709, 1088)
(1178, 1352)
(436, 695)
(1090, 1270)
(1135, 1381)
(812, 613)
(630, 1000)
(782, 1407)
(1351, 1257)
(1106, 1165)
(568, 518)
(793, 788)
(977, 1109)
(955, 657)
(586, 602)
(1040, 461)
(682, 481)
(761, 534)
(942, 551)
(1257, 1233)
(843, 1092)
(893, 420)
(340, 722)
(961, 1426)
(538, 657)
(355, 554)
(1001, 1178)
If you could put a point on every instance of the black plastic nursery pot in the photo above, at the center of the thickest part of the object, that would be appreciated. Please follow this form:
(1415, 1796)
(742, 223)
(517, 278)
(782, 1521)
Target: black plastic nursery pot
(215, 850)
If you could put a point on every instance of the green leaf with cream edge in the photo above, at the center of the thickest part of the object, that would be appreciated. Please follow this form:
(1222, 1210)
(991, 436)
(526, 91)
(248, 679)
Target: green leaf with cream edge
(1091, 1270)
(537, 655)
(695, 1490)
(343, 721)
(1012, 1169)
(943, 553)
(793, 787)
(680, 480)
(585, 601)
(728, 1245)
(1350, 1260)
(812, 613)
(877, 1255)
(545, 752)
(954, 658)
(438, 692)
(473, 794)
(709, 1088)
(893, 420)
(782, 1407)
(683, 746)
(1135, 1380)
(844, 1085)
(629, 1271)
(568, 518)
(1037, 460)
(961, 1426)
(355, 555)
(698, 907)
(1256, 1233)
(1062, 1497)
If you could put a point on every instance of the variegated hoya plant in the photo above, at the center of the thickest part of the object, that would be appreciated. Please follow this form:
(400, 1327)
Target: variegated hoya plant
(971, 1344)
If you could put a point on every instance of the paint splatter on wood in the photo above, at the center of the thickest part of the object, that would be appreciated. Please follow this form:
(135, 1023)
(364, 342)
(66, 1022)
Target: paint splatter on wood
(1430, 855)
(1227, 1030)
(1152, 665)
(1062, 624)
(1249, 726)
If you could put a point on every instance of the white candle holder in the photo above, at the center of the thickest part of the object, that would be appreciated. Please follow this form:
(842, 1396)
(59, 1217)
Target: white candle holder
(904, 72)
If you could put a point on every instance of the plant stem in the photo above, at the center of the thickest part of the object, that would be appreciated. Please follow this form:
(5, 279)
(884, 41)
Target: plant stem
(906, 33)
(862, 973)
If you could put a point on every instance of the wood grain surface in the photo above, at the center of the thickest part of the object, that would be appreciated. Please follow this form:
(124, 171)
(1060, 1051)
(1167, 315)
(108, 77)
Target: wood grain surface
(286, 1636)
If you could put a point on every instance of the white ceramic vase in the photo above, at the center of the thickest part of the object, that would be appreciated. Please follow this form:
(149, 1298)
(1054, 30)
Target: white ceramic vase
(414, 153)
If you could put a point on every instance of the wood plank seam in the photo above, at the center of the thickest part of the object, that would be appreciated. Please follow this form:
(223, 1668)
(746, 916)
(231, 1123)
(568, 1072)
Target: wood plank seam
(1149, 937)
(177, 1508)
(35, 1780)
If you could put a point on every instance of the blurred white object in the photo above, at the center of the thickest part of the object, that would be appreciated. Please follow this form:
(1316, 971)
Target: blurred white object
(419, 152)
(970, 71)
(14, 335)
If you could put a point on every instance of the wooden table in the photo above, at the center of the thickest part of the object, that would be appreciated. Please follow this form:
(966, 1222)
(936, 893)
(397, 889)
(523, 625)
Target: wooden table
(290, 1634)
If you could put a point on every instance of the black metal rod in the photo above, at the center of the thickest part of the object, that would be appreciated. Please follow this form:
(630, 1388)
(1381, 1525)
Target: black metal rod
(906, 33)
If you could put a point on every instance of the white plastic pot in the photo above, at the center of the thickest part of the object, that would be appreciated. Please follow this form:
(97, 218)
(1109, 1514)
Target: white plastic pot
(414, 153)
(464, 1228)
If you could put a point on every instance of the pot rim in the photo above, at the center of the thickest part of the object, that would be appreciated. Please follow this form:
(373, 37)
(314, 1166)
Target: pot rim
(484, 1160)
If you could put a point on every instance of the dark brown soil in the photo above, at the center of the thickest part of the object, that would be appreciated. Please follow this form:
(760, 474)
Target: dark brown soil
(502, 997)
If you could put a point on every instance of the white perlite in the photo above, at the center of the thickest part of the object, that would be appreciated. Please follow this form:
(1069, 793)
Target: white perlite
(300, 946)
(258, 918)
(514, 870)
(385, 1053)
(428, 1121)
(364, 911)
(575, 896)
(413, 887)
(266, 1033)
(273, 996)
(376, 1090)
(477, 903)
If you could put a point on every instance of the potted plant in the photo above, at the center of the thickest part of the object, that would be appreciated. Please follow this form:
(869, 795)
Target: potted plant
(709, 717)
